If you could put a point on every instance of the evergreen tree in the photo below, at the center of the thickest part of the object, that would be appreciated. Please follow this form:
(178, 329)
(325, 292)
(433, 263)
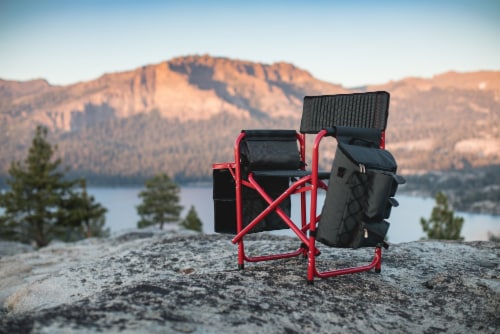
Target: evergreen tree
(160, 202)
(80, 211)
(442, 224)
(192, 221)
(37, 204)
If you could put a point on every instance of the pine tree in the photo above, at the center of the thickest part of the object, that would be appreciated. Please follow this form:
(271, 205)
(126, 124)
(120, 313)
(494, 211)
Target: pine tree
(442, 224)
(160, 202)
(192, 221)
(37, 204)
(80, 211)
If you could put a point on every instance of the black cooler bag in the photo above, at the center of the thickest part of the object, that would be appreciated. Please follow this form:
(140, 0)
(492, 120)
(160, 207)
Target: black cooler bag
(225, 203)
(261, 150)
(360, 194)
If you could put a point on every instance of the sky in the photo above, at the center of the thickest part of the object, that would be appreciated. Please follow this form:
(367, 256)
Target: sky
(351, 43)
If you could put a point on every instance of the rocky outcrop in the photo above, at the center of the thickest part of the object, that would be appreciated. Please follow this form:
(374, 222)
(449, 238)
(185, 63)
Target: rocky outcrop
(188, 283)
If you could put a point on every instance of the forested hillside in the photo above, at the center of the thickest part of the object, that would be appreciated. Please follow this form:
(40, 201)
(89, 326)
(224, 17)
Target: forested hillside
(440, 129)
(146, 144)
(182, 115)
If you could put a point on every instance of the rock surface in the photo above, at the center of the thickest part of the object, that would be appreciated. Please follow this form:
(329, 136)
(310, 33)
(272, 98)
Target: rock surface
(178, 282)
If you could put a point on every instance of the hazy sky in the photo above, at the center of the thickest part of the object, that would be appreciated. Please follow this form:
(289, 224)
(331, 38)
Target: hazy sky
(348, 42)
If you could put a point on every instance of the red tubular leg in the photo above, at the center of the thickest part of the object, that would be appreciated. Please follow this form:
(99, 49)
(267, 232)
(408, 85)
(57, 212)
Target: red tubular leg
(374, 264)
(311, 267)
(378, 266)
(239, 214)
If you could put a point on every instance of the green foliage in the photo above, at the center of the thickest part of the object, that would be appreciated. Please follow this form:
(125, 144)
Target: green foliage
(80, 211)
(132, 150)
(160, 202)
(192, 221)
(442, 224)
(41, 205)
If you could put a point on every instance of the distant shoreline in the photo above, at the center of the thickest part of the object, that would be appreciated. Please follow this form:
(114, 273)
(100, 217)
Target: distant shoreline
(473, 190)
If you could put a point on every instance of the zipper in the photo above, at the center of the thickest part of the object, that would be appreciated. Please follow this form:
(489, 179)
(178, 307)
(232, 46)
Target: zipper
(383, 242)
(362, 168)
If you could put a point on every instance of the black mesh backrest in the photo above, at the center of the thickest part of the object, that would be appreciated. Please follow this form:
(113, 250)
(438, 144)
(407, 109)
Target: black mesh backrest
(363, 110)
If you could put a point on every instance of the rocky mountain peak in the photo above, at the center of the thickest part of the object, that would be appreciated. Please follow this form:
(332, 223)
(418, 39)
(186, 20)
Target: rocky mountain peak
(186, 88)
(455, 114)
(14, 89)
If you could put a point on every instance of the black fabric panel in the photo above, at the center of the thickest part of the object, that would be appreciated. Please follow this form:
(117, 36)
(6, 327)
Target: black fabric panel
(379, 189)
(370, 235)
(362, 110)
(224, 196)
(270, 149)
(371, 158)
(265, 155)
(270, 134)
(223, 184)
(291, 173)
(358, 136)
(254, 204)
(343, 204)
(358, 202)
(225, 216)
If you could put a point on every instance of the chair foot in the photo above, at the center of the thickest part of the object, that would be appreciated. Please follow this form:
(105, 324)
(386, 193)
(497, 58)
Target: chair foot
(310, 282)
(241, 266)
(378, 271)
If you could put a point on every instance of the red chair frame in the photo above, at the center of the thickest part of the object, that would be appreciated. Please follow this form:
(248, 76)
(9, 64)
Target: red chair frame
(308, 181)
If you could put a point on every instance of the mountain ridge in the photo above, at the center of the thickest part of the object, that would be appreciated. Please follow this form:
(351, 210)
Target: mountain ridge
(181, 115)
(186, 86)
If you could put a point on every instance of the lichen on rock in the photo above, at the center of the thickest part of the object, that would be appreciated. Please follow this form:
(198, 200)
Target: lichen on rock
(180, 282)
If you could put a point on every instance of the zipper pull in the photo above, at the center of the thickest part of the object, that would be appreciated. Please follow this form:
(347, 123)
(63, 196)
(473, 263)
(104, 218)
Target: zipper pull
(366, 233)
(362, 169)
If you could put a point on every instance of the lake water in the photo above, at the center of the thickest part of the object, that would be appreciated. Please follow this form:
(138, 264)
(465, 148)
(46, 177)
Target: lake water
(405, 219)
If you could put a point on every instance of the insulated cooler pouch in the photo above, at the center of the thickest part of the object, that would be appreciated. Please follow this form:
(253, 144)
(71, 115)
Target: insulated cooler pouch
(225, 203)
(359, 197)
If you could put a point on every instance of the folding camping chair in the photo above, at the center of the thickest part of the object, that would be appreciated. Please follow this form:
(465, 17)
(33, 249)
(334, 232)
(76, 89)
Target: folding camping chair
(252, 194)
